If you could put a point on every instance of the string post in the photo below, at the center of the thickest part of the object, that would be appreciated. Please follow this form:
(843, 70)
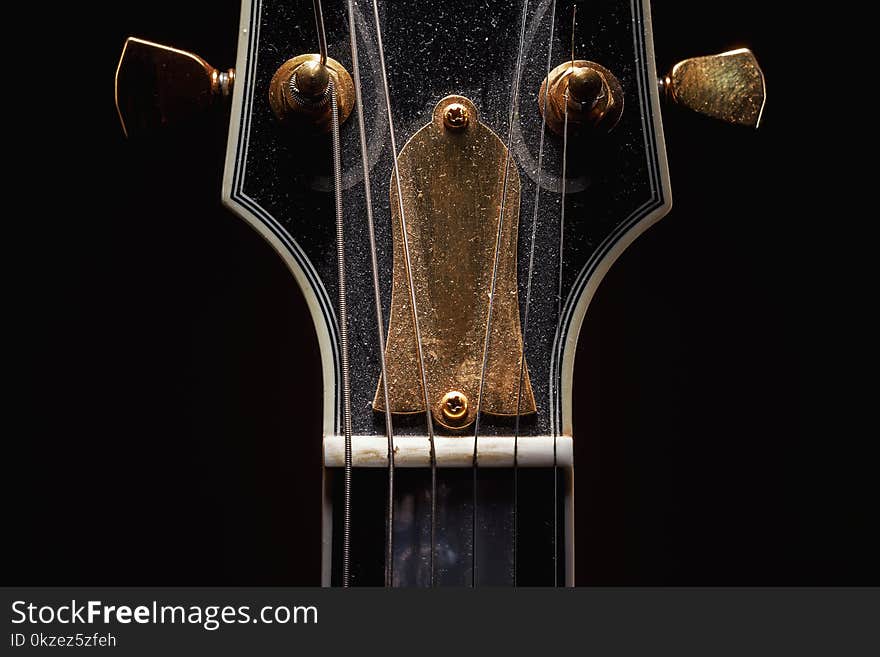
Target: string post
(589, 93)
(311, 79)
(586, 88)
(299, 93)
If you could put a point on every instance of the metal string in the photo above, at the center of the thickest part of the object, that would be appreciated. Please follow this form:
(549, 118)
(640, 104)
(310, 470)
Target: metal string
(343, 341)
(525, 331)
(564, 162)
(319, 26)
(513, 105)
(380, 324)
(343, 301)
(559, 305)
(412, 296)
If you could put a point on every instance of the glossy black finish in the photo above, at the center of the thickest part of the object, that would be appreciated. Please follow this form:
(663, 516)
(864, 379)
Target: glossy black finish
(432, 50)
(169, 375)
(613, 182)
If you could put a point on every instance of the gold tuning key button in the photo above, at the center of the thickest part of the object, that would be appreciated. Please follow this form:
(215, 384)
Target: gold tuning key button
(729, 87)
(587, 92)
(157, 85)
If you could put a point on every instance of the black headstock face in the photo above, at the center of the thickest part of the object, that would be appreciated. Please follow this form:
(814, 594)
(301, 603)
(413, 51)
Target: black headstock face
(616, 184)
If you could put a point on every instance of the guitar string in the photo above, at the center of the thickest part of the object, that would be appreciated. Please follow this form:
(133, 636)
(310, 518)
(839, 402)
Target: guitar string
(412, 295)
(343, 339)
(559, 302)
(343, 303)
(514, 98)
(319, 26)
(564, 152)
(525, 331)
(377, 300)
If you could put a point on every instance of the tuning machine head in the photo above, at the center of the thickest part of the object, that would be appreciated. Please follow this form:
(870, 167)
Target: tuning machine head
(157, 85)
(588, 92)
(729, 86)
(299, 92)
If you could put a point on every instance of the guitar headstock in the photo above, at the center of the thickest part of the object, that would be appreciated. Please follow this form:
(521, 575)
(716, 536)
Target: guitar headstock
(528, 154)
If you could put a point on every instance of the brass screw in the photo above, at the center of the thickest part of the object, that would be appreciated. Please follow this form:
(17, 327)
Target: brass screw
(456, 117)
(454, 405)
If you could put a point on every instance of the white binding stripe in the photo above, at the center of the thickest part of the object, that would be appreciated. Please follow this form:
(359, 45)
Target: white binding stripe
(234, 199)
(587, 283)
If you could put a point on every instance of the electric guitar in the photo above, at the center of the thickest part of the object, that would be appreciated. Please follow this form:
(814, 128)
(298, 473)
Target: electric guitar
(448, 183)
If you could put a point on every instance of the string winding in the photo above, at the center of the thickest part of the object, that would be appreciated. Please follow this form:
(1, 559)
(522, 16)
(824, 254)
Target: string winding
(343, 339)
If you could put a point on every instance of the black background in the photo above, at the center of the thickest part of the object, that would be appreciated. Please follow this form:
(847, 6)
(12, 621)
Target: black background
(169, 430)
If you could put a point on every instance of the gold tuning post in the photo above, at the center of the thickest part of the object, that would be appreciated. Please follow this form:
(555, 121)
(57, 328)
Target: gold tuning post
(729, 87)
(299, 92)
(157, 85)
(587, 92)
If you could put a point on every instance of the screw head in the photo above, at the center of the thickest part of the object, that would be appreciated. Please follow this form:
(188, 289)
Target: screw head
(456, 117)
(454, 405)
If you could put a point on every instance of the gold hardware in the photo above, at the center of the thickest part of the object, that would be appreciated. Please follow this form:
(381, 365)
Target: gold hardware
(156, 85)
(592, 92)
(298, 91)
(729, 87)
(454, 407)
(456, 117)
(586, 88)
(312, 78)
(451, 183)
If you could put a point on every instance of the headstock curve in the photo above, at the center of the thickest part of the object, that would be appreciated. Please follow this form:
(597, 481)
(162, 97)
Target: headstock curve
(274, 180)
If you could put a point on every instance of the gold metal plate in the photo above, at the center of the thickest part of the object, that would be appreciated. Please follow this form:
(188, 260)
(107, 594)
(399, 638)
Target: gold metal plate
(729, 86)
(452, 173)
